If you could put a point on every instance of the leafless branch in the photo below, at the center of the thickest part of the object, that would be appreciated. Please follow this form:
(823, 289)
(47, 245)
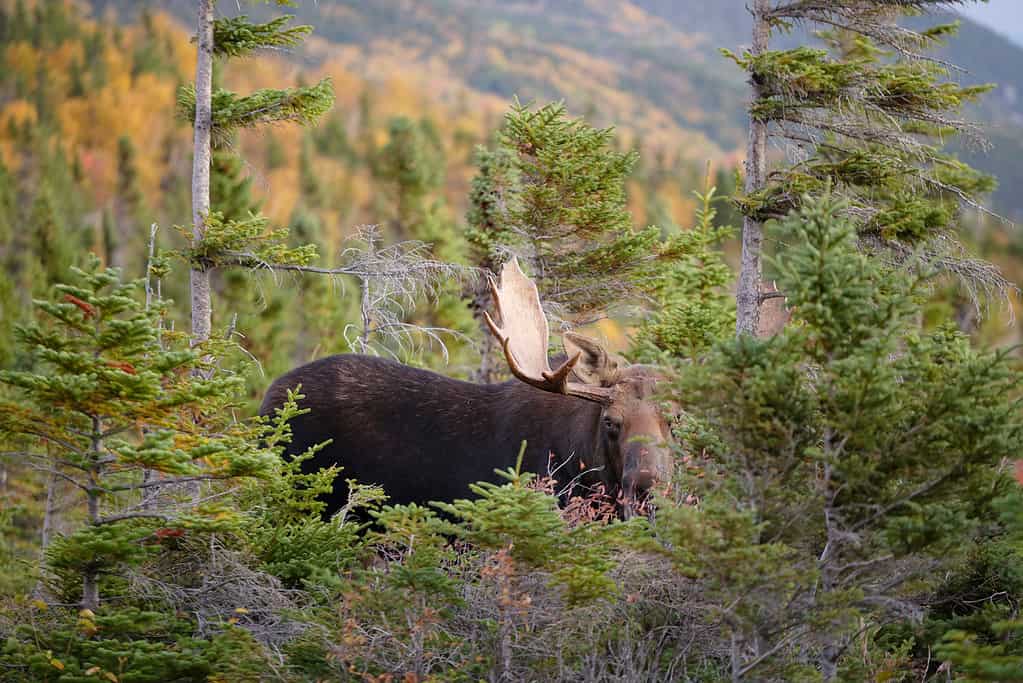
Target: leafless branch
(130, 515)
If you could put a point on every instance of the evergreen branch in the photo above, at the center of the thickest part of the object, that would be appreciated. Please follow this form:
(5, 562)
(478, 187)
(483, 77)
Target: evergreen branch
(267, 106)
(66, 445)
(237, 36)
(48, 470)
(944, 253)
(860, 19)
(906, 499)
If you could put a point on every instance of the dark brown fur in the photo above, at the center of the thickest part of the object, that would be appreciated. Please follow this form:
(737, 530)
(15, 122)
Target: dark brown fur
(423, 436)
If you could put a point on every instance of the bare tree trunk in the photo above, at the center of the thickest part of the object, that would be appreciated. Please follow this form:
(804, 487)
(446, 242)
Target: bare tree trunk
(47, 532)
(735, 659)
(90, 578)
(200, 275)
(481, 300)
(747, 295)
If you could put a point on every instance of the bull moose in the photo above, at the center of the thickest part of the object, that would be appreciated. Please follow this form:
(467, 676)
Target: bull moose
(422, 436)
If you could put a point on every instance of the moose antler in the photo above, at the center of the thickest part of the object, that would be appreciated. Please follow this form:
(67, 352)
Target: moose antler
(524, 337)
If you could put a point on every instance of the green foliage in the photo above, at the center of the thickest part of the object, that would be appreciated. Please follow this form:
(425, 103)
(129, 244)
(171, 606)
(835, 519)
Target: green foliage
(870, 117)
(128, 645)
(104, 373)
(555, 194)
(284, 525)
(267, 106)
(849, 441)
(127, 174)
(411, 167)
(247, 242)
(230, 190)
(525, 522)
(693, 310)
(496, 178)
(332, 139)
(986, 644)
(237, 36)
(412, 163)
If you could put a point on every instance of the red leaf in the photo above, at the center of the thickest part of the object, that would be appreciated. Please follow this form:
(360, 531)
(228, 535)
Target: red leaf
(123, 366)
(88, 309)
(169, 533)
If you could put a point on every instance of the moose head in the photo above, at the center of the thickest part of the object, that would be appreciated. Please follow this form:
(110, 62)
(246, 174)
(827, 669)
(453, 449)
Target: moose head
(632, 436)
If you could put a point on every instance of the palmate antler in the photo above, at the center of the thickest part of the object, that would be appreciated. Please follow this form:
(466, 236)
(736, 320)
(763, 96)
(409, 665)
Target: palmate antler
(525, 334)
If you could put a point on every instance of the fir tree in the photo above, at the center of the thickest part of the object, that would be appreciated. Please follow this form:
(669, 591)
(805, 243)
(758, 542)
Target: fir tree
(275, 155)
(412, 165)
(847, 459)
(230, 189)
(308, 181)
(216, 116)
(495, 178)
(554, 195)
(105, 373)
(990, 648)
(332, 139)
(693, 312)
(76, 79)
(867, 125)
(127, 204)
(49, 243)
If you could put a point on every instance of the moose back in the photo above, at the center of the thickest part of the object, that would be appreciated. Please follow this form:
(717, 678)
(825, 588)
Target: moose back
(423, 436)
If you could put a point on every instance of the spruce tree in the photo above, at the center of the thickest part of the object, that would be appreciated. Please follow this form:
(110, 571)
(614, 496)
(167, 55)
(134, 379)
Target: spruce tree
(412, 166)
(109, 399)
(552, 192)
(554, 195)
(495, 177)
(216, 116)
(124, 236)
(865, 116)
(990, 648)
(693, 309)
(847, 460)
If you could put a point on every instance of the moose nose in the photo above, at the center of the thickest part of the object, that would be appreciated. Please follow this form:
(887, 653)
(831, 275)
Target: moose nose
(638, 483)
(640, 473)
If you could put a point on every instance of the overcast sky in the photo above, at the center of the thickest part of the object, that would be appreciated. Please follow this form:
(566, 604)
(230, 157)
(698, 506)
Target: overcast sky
(1004, 16)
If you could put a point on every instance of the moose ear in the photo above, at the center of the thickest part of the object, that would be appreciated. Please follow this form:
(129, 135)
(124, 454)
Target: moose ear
(596, 366)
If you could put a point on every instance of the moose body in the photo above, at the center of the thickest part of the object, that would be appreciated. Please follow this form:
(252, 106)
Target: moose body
(424, 437)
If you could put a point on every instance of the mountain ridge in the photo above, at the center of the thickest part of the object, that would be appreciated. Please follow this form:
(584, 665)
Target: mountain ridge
(650, 67)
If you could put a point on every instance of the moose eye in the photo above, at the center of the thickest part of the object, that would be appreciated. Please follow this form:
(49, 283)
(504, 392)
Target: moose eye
(612, 426)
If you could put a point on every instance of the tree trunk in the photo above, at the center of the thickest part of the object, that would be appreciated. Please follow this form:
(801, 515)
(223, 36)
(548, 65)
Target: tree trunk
(829, 663)
(90, 578)
(47, 532)
(480, 301)
(747, 295)
(200, 275)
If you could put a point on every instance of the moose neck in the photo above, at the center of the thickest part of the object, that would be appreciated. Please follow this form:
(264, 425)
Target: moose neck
(566, 426)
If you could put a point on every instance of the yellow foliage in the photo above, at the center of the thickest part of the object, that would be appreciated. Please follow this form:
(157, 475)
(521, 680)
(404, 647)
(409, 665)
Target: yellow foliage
(19, 112)
(23, 60)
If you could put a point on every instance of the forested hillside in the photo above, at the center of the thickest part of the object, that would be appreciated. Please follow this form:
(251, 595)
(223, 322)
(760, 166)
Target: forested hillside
(94, 158)
(636, 481)
(652, 68)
